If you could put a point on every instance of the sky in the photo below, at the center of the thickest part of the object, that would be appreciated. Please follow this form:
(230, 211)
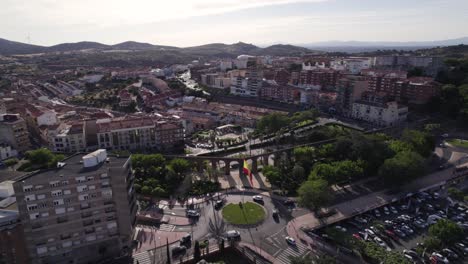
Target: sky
(194, 22)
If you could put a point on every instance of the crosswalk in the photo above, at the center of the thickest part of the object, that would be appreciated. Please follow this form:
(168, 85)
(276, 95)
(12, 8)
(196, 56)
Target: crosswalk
(142, 258)
(166, 227)
(295, 251)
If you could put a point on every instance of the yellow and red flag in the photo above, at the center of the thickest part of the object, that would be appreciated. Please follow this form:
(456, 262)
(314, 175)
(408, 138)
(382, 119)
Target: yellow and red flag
(247, 171)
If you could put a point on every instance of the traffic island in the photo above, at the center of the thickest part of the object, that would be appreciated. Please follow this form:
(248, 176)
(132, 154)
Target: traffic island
(244, 214)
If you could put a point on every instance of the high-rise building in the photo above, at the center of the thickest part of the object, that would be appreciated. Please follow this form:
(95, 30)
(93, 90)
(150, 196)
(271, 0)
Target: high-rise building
(80, 212)
(12, 242)
(251, 84)
(349, 89)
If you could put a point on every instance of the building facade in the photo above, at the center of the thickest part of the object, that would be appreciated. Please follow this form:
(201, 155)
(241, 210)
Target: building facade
(379, 110)
(14, 132)
(83, 211)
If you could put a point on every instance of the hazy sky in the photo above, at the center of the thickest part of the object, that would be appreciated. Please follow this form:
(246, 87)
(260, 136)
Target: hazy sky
(193, 22)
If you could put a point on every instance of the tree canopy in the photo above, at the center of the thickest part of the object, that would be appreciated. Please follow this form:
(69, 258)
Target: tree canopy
(403, 167)
(447, 231)
(314, 194)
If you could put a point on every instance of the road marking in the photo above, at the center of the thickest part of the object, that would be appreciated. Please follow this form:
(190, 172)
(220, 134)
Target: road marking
(166, 227)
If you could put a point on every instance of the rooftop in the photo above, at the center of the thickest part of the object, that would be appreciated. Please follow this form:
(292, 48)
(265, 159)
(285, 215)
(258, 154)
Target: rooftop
(74, 167)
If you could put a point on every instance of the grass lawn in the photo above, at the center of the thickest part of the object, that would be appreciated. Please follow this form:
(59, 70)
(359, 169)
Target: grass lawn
(458, 142)
(251, 213)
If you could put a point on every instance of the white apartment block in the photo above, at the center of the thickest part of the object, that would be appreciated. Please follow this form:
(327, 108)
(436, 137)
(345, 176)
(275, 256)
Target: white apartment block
(380, 113)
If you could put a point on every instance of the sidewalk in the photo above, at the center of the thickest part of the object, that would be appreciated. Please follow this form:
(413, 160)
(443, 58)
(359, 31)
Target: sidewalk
(258, 251)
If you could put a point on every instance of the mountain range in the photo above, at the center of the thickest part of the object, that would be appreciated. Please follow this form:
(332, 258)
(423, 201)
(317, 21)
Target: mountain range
(8, 47)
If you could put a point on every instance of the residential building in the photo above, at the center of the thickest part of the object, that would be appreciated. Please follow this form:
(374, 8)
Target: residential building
(67, 138)
(349, 89)
(7, 152)
(351, 65)
(323, 77)
(252, 83)
(379, 109)
(12, 239)
(42, 116)
(83, 211)
(14, 132)
(139, 133)
(271, 90)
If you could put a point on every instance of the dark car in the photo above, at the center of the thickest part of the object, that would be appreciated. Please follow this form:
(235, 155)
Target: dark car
(177, 250)
(288, 202)
(218, 204)
(186, 239)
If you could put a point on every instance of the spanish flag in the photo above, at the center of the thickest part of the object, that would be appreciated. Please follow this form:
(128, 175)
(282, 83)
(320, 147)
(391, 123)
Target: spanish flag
(247, 171)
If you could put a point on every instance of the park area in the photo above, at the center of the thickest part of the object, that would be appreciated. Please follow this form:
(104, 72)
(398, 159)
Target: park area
(458, 143)
(243, 214)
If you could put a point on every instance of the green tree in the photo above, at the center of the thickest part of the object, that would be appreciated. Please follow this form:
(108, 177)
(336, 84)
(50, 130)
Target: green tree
(146, 190)
(40, 157)
(432, 244)
(455, 193)
(196, 251)
(272, 123)
(402, 168)
(273, 175)
(179, 166)
(447, 231)
(10, 162)
(314, 194)
(422, 142)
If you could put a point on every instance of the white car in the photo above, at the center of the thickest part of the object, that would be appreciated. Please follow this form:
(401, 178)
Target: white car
(386, 211)
(232, 234)
(380, 242)
(290, 240)
(258, 198)
(370, 232)
(394, 210)
(439, 257)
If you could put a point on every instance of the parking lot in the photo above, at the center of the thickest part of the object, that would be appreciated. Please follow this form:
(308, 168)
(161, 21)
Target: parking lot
(403, 225)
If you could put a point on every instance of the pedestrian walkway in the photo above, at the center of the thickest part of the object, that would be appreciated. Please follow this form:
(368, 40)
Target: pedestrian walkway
(143, 258)
(299, 250)
(166, 227)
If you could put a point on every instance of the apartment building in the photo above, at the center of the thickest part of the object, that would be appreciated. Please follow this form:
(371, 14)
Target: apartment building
(271, 90)
(349, 89)
(12, 240)
(68, 138)
(252, 83)
(83, 211)
(14, 132)
(323, 77)
(379, 109)
(139, 133)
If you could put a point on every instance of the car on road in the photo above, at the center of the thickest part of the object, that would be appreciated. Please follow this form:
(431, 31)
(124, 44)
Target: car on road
(192, 213)
(185, 239)
(290, 240)
(218, 204)
(233, 234)
(275, 213)
(177, 250)
(257, 198)
(288, 202)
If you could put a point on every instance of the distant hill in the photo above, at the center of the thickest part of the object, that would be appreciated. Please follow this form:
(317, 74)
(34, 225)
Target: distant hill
(8, 47)
(76, 46)
(363, 46)
(218, 50)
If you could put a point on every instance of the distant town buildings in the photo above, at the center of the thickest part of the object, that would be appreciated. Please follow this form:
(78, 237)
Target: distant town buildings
(379, 109)
(14, 132)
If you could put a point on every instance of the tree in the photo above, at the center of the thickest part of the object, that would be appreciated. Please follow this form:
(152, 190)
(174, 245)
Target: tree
(196, 251)
(421, 142)
(447, 231)
(300, 260)
(432, 244)
(455, 193)
(10, 162)
(179, 165)
(272, 174)
(314, 194)
(402, 168)
(272, 123)
(146, 190)
(40, 157)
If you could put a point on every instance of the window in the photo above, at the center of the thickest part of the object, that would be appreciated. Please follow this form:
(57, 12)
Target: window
(57, 193)
(90, 178)
(67, 192)
(85, 206)
(53, 248)
(58, 202)
(30, 197)
(82, 188)
(111, 225)
(32, 207)
(54, 183)
(70, 209)
(65, 236)
(83, 197)
(65, 182)
(107, 193)
(91, 238)
(80, 179)
(44, 214)
(27, 188)
(43, 205)
(34, 216)
(76, 242)
(39, 187)
(92, 187)
(40, 196)
(104, 175)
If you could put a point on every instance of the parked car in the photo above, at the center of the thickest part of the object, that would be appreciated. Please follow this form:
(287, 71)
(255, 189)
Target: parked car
(358, 236)
(380, 242)
(399, 233)
(439, 258)
(361, 220)
(377, 213)
(340, 228)
(219, 204)
(450, 254)
(394, 210)
(410, 252)
(462, 248)
(391, 234)
(288, 202)
(386, 211)
(370, 232)
(407, 229)
(185, 239)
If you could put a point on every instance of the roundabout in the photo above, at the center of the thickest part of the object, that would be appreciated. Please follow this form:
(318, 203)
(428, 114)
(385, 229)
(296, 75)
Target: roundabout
(248, 213)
